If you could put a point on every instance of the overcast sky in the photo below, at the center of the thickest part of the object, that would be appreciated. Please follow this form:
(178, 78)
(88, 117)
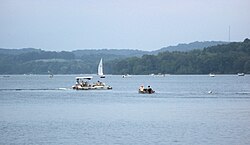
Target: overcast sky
(135, 24)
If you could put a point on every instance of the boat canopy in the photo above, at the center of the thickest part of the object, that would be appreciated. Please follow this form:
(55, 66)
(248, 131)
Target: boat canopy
(86, 78)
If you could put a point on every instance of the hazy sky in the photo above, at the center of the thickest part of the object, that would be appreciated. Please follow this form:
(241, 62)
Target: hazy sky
(136, 24)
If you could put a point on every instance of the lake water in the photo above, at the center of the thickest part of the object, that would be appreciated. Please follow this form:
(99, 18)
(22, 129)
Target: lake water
(35, 109)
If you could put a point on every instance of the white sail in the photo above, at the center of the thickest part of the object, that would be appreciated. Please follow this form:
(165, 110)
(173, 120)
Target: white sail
(100, 68)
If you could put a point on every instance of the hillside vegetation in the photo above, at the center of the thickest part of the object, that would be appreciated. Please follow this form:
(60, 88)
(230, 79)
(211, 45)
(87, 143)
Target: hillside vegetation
(223, 59)
(37, 61)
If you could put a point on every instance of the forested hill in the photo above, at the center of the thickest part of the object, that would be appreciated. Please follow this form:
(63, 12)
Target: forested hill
(226, 58)
(37, 61)
(18, 51)
(221, 59)
(114, 52)
(190, 46)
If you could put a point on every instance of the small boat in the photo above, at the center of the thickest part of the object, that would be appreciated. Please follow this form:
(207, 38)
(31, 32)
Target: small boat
(100, 69)
(241, 74)
(160, 75)
(148, 90)
(82, 83)
(212, 75)
(50, 75)
(126, 76)
(210, 92)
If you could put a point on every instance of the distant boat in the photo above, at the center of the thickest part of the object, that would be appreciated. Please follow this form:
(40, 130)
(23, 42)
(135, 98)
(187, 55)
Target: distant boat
(210, 92)
(160, 75)
(50, 75)
(212, 75)
(241, 74)
(126, 76)
(100, 69)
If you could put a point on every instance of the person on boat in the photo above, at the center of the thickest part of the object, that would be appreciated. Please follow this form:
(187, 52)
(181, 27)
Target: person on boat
(77, 81)
(98, 83)
(141, 88)
(149, 90)
(85, 84)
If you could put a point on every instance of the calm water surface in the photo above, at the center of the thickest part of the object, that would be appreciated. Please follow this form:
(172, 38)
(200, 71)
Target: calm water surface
(38, 110)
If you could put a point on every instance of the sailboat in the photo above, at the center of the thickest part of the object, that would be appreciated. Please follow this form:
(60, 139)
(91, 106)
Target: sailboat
(100, 69)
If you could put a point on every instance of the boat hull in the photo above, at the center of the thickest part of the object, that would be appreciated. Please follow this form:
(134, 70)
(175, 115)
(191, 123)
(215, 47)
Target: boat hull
(146, 91)
(241, 74)
(92, 88)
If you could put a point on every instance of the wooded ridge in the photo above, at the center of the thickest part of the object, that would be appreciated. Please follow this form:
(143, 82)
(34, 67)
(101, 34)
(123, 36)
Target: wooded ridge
(222, 59)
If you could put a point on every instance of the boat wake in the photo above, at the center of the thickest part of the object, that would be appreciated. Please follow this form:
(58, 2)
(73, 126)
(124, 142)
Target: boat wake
(158, 94)
(38, 89)
(208, 94)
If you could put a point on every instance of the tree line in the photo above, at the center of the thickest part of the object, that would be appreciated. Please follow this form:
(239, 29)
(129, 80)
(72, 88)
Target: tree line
(221, 59)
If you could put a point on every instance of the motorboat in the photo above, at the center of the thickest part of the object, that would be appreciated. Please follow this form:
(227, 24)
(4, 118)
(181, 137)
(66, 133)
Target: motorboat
(148, 90)
(241, 74)
(212, 75)
(126, 76)
(83, 83)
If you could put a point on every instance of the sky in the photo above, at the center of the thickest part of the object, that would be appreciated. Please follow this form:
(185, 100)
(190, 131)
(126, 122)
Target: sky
(65, 25)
